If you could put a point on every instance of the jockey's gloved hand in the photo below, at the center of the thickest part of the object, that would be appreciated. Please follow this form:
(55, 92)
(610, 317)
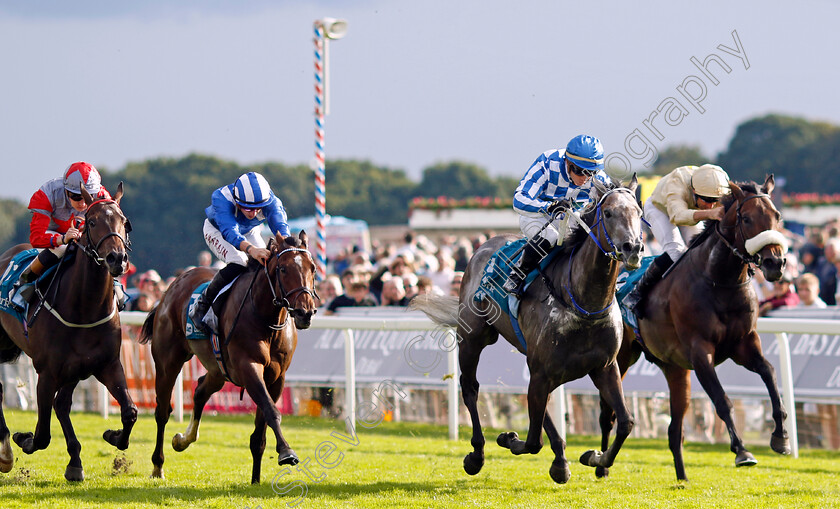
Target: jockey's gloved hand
(558, 206)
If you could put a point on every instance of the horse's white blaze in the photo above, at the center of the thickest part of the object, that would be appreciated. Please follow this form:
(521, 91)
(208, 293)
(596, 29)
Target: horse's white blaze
(766, 238)
(299, 261)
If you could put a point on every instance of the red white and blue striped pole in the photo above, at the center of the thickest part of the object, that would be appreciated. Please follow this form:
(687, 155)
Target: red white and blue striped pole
(325, 29)
(320, 175)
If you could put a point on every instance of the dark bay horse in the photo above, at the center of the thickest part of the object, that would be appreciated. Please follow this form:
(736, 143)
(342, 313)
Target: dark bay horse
(259, 341)
(76, 334)
(705, 311)
(569, 319)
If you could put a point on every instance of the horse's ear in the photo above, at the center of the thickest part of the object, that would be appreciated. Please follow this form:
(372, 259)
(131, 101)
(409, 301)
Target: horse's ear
(303, 238)
(86, 195)
(119, 194)
(633, 184)
(736, 191)
(598, 189)
(769, 184)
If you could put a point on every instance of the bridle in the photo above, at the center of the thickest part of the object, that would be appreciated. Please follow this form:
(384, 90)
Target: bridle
(746, 258)
(613, 254)
(283, 300)
(91, 249)
(600, 223)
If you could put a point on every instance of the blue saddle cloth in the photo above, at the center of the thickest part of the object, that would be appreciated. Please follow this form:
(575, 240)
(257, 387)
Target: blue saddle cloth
(627, 280)
(497, 271)
(193, 332)
(10, 301)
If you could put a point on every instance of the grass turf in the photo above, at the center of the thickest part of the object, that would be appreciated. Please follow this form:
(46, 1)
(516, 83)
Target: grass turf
(395, 465)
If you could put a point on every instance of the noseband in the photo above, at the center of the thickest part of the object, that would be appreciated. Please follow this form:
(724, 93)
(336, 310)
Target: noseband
(92, 249)
(283, 300)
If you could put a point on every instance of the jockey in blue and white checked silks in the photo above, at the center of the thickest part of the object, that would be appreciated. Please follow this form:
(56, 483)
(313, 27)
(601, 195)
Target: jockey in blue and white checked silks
(558, 178)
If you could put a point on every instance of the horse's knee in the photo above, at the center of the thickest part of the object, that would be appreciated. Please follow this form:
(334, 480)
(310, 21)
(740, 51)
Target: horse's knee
(129, 414)
(625, 426)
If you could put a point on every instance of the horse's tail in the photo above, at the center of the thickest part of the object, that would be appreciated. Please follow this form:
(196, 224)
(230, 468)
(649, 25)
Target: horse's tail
(9, 351)
(148, 327)
(442, 309)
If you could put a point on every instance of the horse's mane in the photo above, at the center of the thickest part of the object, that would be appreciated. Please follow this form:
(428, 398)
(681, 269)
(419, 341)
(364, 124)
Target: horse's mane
(710, 225)
(575, 235)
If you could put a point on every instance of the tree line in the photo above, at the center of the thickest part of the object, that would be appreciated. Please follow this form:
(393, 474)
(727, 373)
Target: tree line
(165, 197)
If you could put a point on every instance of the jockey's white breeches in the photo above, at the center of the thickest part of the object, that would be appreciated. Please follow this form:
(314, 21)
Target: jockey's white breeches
(672, 238)
(554, 232)
(226, 251)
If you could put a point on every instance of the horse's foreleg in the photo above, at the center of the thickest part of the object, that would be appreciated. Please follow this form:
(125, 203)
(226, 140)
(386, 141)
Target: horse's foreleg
(258, 436)
(28, 442)
(679, 385)
(705, 371)
(252, 375)
(538, 390)
(608, 382)
(753, 360)
(63, 402)
(113, 378)
(559, 471)
(7, 456)
(208, 385)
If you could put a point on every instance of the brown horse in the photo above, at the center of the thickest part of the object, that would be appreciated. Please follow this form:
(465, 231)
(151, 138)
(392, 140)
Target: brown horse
(705, 311)
(569, 321)
(259, 341)
(75, 334)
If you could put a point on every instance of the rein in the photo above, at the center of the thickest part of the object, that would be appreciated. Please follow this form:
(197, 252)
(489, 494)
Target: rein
(283, 301)
(93, 252)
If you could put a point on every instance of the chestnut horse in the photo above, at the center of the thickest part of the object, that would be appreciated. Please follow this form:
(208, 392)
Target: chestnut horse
(571, 325)
(75, 334)
(705, 311)
(257, 345)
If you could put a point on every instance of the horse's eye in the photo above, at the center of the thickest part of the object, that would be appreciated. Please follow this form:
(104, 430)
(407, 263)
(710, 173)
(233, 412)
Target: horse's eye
(608, 214)
(282, 269)
(747, 220)
(91, 223)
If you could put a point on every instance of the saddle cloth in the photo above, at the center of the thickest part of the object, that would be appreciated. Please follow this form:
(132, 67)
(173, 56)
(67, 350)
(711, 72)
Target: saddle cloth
(193, 332)
(11, 301)
(627, 280)
(497, 271)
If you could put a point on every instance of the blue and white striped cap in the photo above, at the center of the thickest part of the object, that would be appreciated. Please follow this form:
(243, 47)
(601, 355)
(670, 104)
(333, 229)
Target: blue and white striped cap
(252, 191)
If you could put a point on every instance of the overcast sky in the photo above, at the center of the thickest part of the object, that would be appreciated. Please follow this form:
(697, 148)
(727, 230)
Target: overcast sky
(413, 83)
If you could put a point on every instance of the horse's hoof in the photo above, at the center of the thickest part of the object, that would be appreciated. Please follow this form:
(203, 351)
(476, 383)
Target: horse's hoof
(288, 458)
(505, 439)
(780, 444)
(24, 441)
(74, 474)
(5, 468)
(113, 437)
(157, 473)
(745, 459)
(179, 443)
(560, 472)
(590, 458)
(602, 472)
(473, 463)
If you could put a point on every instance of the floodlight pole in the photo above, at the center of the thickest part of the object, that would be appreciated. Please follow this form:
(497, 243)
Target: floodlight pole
(325, 29)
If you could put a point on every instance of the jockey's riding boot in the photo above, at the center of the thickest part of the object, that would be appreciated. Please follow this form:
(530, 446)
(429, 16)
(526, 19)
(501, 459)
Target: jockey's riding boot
(205, 300)
(41, 263)
(535, 250)
(635, 299)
